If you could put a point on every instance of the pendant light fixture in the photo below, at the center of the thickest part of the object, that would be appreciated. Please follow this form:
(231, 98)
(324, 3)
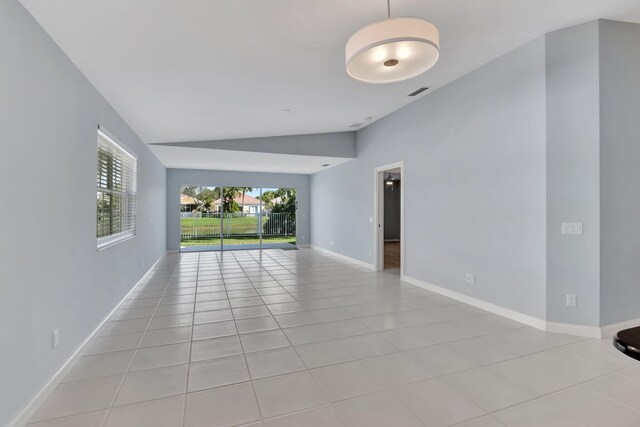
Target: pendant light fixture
(392, 50)
(391, 182)
(390, 179)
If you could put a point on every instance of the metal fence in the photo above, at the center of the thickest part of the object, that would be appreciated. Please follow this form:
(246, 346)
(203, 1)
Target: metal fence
(201, 225)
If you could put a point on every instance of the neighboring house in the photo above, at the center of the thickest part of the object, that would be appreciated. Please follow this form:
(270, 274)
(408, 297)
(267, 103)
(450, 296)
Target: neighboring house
(188, 203)
(266, 208)
(250, 205)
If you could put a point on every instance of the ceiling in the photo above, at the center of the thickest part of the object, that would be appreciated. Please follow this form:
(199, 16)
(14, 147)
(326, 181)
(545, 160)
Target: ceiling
(212, 159)
(190, 70)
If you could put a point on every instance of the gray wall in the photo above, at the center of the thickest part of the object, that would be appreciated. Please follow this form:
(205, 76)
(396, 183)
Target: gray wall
(573, 173)
(51, 275)
(178, 177)
(474, 184)
(391, 214)
(497, 161)
(620, 171)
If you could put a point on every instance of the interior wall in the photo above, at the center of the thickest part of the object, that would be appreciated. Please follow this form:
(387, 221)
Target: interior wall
(475, 184)
(391, 214)
(573, 173)
(51, 275)
(179, 177)
(619, 171)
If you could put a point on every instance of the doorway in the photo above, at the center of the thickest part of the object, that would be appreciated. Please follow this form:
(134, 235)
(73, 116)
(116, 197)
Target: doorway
(220, 218)
(389, 218)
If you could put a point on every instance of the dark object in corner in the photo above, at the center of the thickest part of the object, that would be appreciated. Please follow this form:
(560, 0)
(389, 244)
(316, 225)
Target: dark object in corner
(628, 342)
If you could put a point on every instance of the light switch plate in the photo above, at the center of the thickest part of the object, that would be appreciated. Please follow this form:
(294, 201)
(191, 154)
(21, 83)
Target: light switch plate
(470, 278)
(571, 228)
(55, 338)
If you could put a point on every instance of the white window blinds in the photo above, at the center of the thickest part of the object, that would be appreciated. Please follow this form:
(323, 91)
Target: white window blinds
(116, 191)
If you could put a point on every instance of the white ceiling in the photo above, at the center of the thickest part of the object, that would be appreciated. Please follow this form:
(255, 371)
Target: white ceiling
(212, 159)
(193, 70)
(188, 70)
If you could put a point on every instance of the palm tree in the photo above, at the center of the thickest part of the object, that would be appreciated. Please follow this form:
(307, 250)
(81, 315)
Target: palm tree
(267, 198)
(244, 190)
(228, 196)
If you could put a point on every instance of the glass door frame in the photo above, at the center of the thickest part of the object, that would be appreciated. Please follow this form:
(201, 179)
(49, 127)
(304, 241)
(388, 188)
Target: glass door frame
(259, 219)
(223, 213)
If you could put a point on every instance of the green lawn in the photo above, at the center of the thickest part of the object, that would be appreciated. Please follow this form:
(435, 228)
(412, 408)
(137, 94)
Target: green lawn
(209, 226)
(205, 232)
(238, 241)
(247, 220)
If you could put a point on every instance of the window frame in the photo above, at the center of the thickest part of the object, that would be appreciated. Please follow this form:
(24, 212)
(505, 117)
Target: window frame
(113, 239)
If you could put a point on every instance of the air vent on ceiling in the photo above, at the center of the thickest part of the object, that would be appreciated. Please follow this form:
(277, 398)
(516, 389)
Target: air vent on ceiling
(419, 91)
(356, 125)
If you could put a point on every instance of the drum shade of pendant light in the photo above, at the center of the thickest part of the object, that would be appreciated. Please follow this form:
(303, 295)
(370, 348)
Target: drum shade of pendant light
(392, 50)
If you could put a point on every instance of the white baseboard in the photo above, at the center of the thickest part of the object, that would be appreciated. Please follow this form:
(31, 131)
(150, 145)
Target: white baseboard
(25, 414)
(343, 257)
(612, 329)
(606, 331)
(543, 325)
(572, 329)
(484, 305)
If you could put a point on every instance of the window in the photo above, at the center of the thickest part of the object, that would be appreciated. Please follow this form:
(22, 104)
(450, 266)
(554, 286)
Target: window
(116, 192)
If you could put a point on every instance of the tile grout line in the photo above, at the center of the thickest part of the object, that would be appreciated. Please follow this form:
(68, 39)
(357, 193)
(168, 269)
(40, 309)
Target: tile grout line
(396, 352)
(193, 319)
(390, 389)
(124, 376)
(307, 370)
(544, 395)
(244, 355)
(333, 364)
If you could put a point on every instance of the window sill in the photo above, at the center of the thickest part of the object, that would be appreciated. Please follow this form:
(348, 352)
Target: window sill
(112, 242)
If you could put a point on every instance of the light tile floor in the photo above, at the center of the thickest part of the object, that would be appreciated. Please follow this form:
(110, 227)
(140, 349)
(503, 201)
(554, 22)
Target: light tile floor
(299, 338)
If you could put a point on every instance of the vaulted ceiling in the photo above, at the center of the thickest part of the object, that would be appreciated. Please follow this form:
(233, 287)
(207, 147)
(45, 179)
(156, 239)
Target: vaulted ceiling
(190, 70)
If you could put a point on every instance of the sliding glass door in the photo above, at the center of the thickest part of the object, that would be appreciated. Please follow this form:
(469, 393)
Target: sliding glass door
(226, 218)
(279, 217)
(241, 213)
(200, 226)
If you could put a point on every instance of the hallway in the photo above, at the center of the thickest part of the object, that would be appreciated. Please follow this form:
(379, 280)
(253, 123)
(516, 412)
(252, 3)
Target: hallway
(391, 254)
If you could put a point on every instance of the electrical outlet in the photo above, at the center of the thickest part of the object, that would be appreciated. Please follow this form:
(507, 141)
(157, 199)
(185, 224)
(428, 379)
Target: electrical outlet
(571, 228)
(142, 262)
(571, 300)
(370, 253)
(331, 243)
(470, 278)
(55, 338)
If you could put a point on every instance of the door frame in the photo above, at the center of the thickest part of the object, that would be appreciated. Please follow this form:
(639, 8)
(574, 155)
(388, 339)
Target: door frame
(378, 215)
(259, 214)
(178, 193)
